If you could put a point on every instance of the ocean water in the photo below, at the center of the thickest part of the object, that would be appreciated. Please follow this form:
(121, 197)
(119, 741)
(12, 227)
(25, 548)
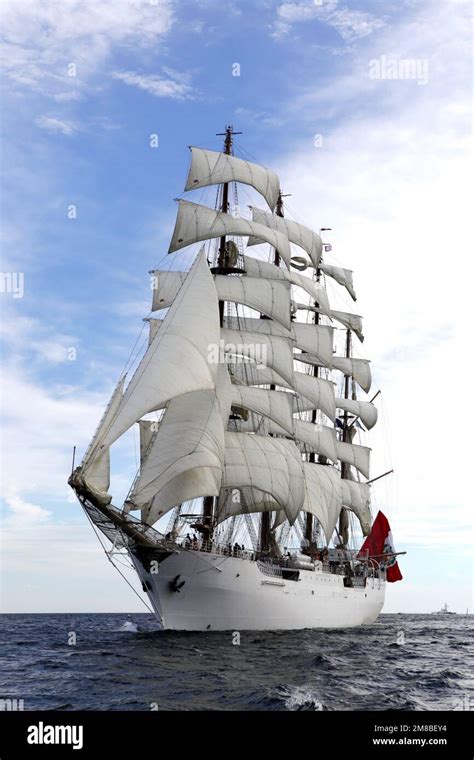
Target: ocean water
(122, 662)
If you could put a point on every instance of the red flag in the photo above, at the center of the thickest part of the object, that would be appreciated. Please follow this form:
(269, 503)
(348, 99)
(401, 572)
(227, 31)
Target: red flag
(380, 542)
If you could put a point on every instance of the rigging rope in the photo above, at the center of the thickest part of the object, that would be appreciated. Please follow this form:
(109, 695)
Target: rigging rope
(114, 565)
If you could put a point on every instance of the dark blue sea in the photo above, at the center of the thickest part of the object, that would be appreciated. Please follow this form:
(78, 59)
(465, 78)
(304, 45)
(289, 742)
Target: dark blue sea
(121, 662)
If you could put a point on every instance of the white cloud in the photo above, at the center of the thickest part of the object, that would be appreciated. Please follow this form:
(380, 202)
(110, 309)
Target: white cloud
(42, 39)
(390, 179)
(176, 88)
(23, 510)
(35, 341)
(350, 24)
(51, 124)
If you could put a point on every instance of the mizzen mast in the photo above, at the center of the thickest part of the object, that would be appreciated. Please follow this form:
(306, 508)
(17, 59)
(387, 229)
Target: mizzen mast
(346, 437)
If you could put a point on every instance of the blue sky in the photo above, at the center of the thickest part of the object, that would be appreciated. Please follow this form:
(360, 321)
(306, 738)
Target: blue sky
(388, 176)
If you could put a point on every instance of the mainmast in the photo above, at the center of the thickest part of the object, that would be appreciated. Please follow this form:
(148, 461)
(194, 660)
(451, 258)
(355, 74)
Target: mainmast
(308, 534)
(265, 527)
(222, 266)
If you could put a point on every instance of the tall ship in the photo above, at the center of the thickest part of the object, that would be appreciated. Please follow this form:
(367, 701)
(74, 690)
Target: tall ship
(252, 495)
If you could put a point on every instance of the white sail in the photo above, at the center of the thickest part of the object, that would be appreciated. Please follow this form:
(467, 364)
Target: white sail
(166, 285)
(263, 269)
(295, 232)
(186, 458)
(276, 405)
(191, 325)
(349, 320)
(356, 496)
(318, 438)
(323, 495)
(315, 339)
(244, 500)
(317, 291)
(265, 350)
(359, 369)
(154, 326)
(250, 374)
(272, 465)
(355, 455)
(195, 223)
(99, 475)
(209, 167)
(266, 326)
(314, 393)
(342, 276)
(147, 429)
(363, 409)
(270, 297)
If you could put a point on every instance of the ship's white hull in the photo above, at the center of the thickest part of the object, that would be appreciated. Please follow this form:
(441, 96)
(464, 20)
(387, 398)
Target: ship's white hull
(228, 593)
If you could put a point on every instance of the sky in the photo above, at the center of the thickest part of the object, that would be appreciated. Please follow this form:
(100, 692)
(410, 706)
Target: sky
(363, 110)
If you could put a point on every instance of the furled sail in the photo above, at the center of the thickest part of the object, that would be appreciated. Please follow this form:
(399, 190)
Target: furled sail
(356, 496)
(183, 340)
(272, 465)
(358, 456)
(363, 409)
(295, 232)
(323, 495)
(342, 276)
(195, 223)
(209, 167)
(264, 350)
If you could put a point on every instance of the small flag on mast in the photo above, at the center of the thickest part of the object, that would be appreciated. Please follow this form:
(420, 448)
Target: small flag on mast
(380, 542)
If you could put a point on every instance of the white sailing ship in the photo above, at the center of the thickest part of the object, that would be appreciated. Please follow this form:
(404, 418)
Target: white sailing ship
(251, 488)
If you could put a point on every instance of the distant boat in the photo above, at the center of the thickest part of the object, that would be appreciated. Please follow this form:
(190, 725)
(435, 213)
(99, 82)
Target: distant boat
(443, 611)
